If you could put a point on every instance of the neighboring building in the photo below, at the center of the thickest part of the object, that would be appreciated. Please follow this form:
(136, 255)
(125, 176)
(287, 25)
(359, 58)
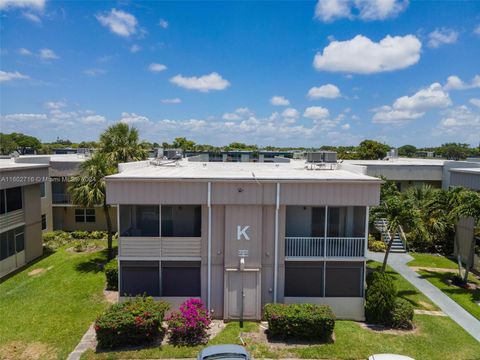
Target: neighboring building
(465, 230)
(408, 172)
(240, 235)
(57, 207)
(238, 156)
(20, 213)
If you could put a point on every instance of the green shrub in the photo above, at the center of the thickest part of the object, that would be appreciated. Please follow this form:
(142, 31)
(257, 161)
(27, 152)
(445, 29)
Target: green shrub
(189, 325)
(80, 234)
(300, 321)
(54, 240)
(98, 235)
(380, 297)
(377, 246)
(111, 273)
(401, 316)
(133, 322)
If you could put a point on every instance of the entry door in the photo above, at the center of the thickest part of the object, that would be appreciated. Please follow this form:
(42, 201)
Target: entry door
(243, 289)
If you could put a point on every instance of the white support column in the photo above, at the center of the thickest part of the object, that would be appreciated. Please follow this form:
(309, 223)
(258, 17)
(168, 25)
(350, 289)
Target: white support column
(275, 266)
(119, 249)
(325, 233)
(209, 246)
(367, 214)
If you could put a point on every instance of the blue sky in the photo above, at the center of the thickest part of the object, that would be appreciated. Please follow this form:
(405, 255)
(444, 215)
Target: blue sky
(284, 73)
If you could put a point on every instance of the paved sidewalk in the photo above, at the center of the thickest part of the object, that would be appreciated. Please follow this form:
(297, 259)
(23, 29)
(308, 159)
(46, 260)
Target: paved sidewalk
(458, 314)
(88, 342)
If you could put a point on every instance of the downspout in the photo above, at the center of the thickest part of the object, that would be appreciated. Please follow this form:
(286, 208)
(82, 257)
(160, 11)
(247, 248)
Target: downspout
(209, 246)
(275, 266)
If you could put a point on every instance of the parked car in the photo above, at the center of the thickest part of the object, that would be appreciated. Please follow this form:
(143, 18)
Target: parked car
(227, 351)
(389, 357)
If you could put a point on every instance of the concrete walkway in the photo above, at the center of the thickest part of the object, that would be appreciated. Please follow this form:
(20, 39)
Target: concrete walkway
(88, 342)
(458, 314)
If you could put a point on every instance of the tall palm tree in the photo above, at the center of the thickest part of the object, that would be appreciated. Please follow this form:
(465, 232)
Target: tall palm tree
(120, 142)
(399, 214)
(88, 188)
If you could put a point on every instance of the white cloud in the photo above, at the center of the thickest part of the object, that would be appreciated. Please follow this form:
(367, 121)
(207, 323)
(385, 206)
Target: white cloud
(135, 48)
(119, 22)
(24, 117)
(163, 23)
(205, 83)
(363, 56)
(316, 113)
(388, 115)
(345, 126)
(47, 54)
(455, 83)
(23, 4)
(475, 102)
(231, 116)
(328, 91)
(9, 76)
(94, 72)
(171, 101)
(408, 108)
(93, 119)
(25, 52)
(55, 105)
(442, 36)
(330, 10)
(32, 17)
(156, 68)
(476, 31)
(460, 121)
(279, 101)
(429, 98)
(290, 113)
(133, 119)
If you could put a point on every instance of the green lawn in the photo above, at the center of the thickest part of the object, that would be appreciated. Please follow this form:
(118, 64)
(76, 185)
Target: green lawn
(432, 260)
(464, 297)
(406, 290)
(435, 338)
(48, 313)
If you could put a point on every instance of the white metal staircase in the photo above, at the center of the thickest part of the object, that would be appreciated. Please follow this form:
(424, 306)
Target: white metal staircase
(398, 246)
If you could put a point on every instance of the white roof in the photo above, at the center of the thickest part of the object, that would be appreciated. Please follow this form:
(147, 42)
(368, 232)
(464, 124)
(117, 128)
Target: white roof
(56, 157)
(185, 170)
(399, 161)
(475, 171)
(10, 164)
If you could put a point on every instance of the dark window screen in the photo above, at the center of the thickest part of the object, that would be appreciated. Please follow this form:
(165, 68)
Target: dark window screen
(318, 222)
(140, 278)
(344, 279)
(304, 279)
(20, 241)
(3, 246)
(2, 202)
(180, 278)
(14, 199)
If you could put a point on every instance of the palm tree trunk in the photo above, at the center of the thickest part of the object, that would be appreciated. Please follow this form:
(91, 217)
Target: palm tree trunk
(389, 246)
(109, 231)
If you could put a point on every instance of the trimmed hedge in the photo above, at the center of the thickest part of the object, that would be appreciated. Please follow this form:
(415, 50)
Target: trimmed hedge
(402, 315)
(111, 273)
(380, 297)
(300, 321)
(133, 322)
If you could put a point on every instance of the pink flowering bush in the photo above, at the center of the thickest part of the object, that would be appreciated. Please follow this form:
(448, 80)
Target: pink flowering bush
(189, 324)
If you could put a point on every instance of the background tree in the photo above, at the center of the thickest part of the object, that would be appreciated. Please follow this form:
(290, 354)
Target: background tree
(7, 145)
(372, 150)
(25, 142)
(121, 143)
(407, 150)
(183, 143)
(88, 189)
(455, 151)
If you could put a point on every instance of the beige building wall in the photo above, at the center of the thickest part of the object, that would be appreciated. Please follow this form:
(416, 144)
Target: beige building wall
(33, 226)
(64, 219)
(46, 206)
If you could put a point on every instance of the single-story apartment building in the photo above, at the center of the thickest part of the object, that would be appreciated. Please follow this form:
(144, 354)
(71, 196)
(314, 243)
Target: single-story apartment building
(240, 235)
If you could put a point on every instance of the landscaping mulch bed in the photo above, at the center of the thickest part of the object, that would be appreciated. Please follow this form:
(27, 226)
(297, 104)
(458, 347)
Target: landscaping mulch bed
(386, 330)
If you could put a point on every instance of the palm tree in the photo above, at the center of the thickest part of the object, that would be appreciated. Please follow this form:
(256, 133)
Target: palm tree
(88, 188)
(120, 142)
(399, 214)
